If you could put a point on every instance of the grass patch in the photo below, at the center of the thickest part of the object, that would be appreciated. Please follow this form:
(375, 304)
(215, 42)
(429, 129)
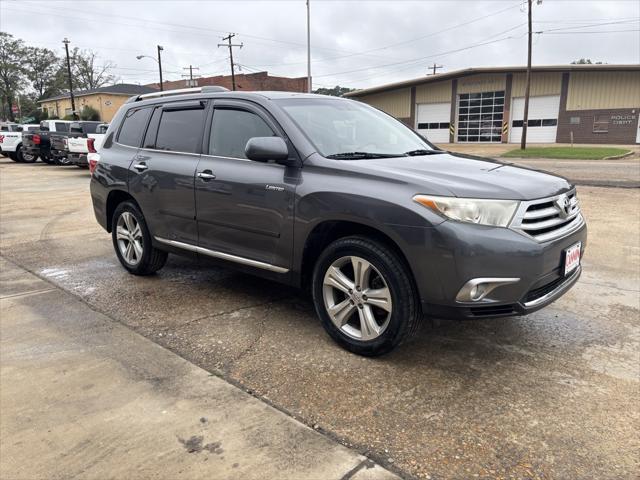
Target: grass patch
(584, 153)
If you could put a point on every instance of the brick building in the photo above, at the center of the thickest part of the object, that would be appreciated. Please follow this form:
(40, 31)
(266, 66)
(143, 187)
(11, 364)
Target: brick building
(247, 82)
(591, 103)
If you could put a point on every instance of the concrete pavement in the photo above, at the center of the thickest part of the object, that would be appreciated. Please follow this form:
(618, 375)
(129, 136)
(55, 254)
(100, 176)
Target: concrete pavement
(82, 396)
(550, 395)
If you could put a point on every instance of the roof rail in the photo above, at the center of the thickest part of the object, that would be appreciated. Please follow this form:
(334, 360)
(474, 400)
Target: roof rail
(179, 91)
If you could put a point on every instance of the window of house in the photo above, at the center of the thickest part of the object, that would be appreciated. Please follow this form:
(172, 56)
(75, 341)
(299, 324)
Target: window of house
(133, 126)
(180, 130)
(574, 120)
(601, 124)
(232, 129)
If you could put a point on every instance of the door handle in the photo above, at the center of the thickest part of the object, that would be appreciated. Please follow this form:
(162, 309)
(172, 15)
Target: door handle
(141, 167)
(206, 175)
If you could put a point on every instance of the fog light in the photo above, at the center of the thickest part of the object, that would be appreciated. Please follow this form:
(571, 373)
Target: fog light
(473, 292)
(478, 288)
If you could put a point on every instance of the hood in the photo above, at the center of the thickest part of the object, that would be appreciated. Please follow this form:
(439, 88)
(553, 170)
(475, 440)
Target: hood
(465, 176)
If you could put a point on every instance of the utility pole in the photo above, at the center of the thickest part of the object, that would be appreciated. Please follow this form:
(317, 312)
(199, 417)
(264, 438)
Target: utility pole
(73, 102)
(160, 66)
(231, 45)
(190, 82)
(308, 47)
(527, 90)
(435, 67)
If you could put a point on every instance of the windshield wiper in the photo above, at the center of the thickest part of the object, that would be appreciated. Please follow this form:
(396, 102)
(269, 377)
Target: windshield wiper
(361, 155)
(415, 153)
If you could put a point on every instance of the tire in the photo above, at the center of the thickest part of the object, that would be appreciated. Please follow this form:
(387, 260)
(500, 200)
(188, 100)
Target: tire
(47, 160)
(144, 260)
(384, 272)
(25, 157)
(14, 156)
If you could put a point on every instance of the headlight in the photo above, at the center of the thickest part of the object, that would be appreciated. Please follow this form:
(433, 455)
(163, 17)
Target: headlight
(497, 213)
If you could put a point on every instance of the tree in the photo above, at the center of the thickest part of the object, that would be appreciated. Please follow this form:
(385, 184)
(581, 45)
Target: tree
(43, 67)
(12, 71)
(585, 61)
(87, 75)
(336, 91)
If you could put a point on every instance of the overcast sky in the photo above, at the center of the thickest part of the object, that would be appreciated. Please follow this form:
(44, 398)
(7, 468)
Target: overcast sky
(354, 43)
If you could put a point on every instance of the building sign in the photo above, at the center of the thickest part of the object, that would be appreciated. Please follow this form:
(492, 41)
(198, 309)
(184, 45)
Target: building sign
(623, 119)
(107, 103)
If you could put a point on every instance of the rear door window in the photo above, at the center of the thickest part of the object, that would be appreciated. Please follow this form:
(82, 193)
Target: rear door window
(62, 127)
(133, 127)
(232, 129)
(180, 130)
(89, 127)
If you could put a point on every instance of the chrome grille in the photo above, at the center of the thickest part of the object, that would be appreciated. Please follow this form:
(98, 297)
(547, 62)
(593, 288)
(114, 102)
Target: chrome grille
(549, 218)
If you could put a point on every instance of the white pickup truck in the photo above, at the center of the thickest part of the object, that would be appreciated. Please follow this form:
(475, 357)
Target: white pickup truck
(80, 147)
(11, 142)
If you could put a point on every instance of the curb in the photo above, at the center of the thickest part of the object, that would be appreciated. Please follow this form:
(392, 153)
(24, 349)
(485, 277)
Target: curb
(618, 157)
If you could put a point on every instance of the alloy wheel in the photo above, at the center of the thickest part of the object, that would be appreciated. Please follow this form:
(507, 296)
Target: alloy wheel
(357, 298)
(129, 237)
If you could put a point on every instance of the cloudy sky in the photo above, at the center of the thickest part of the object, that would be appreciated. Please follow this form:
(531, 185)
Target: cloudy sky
(354, 43)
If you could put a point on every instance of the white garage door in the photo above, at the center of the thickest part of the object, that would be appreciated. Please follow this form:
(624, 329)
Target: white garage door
(543, 119)
(433, 121)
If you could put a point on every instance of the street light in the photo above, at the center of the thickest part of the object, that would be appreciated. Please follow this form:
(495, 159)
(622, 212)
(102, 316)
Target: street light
(158, 61)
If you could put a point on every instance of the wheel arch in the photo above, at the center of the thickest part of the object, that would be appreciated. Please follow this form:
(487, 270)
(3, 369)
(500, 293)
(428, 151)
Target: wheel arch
(328, 231)
(115, 198)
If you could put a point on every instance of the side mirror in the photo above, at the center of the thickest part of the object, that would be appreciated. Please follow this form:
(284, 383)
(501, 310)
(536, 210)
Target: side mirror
(263, 149)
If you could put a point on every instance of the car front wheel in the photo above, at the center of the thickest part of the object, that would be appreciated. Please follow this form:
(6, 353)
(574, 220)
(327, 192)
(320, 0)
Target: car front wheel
(364, 294)
(132, 241)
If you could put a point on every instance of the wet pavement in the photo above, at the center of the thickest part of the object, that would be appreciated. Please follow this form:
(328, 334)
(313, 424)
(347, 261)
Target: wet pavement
(550, 395)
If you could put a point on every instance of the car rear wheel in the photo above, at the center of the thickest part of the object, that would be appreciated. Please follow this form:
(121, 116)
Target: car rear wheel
(13, 156)
(132, 241)
(26, 157)
(365, 296)
(46, 159)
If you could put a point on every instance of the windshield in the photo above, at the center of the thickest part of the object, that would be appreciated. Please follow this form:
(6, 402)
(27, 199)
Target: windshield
(350, 129)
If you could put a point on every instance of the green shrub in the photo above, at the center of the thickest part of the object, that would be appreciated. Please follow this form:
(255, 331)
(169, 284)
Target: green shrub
(89, 113)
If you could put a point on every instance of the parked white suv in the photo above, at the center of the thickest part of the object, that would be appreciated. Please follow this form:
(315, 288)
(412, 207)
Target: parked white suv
(11, 142)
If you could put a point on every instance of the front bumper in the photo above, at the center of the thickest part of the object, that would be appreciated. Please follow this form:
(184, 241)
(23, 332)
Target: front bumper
(460, 252)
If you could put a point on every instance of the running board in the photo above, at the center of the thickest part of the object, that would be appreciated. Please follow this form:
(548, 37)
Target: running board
(223, 256)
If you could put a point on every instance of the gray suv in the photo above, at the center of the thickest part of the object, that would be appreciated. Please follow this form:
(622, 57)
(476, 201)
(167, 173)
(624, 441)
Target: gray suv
(335, 196)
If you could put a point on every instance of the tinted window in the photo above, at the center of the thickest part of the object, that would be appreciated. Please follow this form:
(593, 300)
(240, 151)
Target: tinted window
(62, 127)
(152, 130)
(89, 127)
(133, 126)
(179, 130)
(232, 129)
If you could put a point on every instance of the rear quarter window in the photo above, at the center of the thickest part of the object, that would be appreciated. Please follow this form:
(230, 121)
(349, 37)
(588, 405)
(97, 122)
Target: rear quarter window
(133, 126)
(62, 127)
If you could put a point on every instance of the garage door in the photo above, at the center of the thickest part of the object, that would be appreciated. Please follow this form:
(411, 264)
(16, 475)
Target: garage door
(543, 119)
(433, 121)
